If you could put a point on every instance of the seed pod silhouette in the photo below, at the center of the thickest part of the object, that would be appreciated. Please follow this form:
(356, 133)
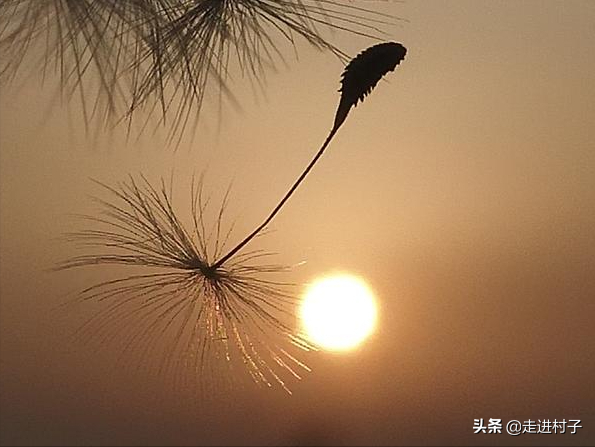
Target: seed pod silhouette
(200, 310)
(359, 78)
(163, 58)
(363, 73)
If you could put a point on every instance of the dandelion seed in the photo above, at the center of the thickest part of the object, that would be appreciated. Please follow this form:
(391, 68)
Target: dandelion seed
(359, 78)
(201, 308)
(203, 321)
(363, 73)
(162, 57)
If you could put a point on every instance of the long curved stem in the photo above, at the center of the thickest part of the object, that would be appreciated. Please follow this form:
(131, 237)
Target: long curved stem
(297, 183)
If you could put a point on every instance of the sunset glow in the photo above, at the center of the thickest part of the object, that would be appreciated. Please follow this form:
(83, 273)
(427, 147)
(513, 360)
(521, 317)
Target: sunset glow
(338, 312)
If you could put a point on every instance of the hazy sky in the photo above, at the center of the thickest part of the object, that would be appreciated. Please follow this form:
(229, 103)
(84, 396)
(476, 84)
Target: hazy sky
(462, 190)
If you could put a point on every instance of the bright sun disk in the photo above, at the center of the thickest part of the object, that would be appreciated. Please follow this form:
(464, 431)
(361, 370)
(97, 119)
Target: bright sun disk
(338, 312)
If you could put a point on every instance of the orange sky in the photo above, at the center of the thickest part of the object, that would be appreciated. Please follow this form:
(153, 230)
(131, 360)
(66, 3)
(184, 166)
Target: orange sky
(463, 190)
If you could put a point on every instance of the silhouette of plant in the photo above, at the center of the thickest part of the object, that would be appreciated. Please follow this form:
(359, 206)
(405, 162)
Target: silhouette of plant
(201, 321)
(359, 78)
(162, 56)
(210, 308)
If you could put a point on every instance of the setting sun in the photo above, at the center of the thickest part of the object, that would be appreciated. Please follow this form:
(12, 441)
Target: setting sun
(338, 312)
